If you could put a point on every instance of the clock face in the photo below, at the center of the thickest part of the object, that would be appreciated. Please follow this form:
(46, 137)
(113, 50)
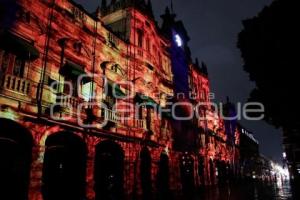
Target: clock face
(178, 40)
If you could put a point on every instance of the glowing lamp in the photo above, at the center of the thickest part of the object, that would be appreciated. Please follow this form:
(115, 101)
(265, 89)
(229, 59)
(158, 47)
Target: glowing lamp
(284, 155)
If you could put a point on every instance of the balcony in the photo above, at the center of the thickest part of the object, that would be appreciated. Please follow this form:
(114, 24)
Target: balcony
(144, 55)
(140, 123)
(20, 86)
(111, 116)
(69, 103)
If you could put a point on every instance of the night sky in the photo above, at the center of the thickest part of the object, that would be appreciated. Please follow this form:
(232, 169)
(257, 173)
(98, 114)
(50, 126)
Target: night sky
(213, 26)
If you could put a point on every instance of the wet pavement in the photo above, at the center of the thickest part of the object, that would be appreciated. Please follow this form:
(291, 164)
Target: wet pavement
(253, 190)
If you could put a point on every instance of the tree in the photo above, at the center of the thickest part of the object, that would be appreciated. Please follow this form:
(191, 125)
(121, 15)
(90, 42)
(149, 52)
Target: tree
(269, 45)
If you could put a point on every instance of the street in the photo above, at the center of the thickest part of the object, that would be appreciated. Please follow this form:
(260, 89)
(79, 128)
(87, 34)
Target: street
(247, 191)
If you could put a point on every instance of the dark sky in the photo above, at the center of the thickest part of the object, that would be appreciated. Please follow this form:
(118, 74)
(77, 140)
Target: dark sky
(213, 26)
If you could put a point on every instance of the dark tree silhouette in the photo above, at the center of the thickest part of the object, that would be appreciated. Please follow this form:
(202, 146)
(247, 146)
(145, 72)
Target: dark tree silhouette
(269, 45)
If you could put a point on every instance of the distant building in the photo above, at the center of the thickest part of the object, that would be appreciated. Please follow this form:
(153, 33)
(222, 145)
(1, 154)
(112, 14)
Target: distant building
(249, 153)
(291, 155)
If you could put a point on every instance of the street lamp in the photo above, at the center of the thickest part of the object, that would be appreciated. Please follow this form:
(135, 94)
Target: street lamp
(284, 155)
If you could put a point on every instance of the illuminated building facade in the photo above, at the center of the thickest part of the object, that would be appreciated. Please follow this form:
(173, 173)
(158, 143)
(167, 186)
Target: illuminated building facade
(69, 83)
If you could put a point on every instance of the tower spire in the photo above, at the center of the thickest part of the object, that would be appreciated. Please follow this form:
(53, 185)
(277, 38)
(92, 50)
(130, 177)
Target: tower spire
(197, 62)
(204, 68)
(103, 4)
(149, 7)
(172, 7)
(168, 21)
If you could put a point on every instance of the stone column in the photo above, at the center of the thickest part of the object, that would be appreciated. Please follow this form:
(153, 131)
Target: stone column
(35, 187)
(91, 153)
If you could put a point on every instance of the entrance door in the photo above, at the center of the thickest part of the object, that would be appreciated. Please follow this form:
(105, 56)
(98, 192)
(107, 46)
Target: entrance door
(201, 171)
(163, 177)
(145, 170)
(15, 160)
(64, 167)
(108, 175)
(187, 175)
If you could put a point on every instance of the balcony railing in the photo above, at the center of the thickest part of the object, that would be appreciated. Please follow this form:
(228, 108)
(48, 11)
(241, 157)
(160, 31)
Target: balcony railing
(144, 54)
(140, 123)
(68, 101)
(16, 84)
(112, 116)
(140, 53)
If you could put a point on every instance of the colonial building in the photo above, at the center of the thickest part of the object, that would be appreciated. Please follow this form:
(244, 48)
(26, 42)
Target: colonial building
(85, 104)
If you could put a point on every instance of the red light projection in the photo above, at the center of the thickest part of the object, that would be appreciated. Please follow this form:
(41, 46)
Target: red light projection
(71, 153)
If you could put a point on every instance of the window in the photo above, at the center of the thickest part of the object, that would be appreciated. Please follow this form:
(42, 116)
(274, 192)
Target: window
(71, 89)
(113, 40)
(79, 14)
(77, 47)
(27, 17)
(140, 38)
(117, 69)
(4, 61)
(24, 15)
(154, 50)
(19, 67)
(147, 44)
(114, 68)
(149, 119)
(88, 90)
